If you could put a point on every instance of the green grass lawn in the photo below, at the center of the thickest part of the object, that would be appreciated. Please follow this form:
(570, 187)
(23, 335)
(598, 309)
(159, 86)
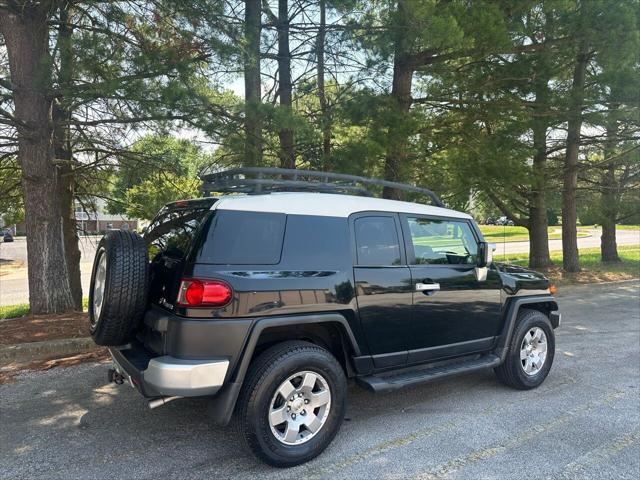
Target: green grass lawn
(593, 270)
(13, 311)
(618, 227)
(22, 309)
(499, 233)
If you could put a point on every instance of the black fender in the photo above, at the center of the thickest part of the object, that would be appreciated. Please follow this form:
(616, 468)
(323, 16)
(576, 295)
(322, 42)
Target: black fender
(511, 314)
(221, 407)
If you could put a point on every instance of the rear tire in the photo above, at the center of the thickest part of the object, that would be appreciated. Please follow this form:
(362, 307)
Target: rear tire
(286, 441)
(525, 366)
(119, 284)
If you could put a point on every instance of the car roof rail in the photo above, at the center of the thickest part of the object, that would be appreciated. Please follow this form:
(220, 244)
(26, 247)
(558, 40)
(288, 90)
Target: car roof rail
(260, 180)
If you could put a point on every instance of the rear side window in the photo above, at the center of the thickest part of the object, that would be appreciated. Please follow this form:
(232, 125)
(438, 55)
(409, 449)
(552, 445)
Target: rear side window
(243, 238)
(377, 241)
(316, 243)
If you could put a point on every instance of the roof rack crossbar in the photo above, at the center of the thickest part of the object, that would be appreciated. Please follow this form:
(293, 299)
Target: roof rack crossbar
(261, 185)
(235, 180)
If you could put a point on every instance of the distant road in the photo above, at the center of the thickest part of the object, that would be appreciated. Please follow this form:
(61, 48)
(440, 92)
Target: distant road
(623, 237)
(14, 288)
(17, 250)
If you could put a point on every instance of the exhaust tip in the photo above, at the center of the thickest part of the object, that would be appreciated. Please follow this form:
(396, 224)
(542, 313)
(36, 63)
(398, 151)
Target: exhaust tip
(158, 402)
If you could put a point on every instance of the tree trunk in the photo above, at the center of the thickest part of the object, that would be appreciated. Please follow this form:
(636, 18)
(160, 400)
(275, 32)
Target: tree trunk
(26, 37)
(285, 89)
(64, 157)
(70, 231)
(322, 96)
(538, 221)
(570, 256)
(609, 199)
(538, 235)
(252, 84)
(608, 245)
(396, 160)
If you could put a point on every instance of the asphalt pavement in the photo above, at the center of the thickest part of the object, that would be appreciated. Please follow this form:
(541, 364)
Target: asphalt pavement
(582, 423)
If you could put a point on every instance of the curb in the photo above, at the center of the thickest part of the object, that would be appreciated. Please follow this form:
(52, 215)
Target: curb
(43, 350)
(597, 286)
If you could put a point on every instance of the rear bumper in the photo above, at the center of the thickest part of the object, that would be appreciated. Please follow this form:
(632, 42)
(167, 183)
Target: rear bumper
(185, 378)
(169, 376)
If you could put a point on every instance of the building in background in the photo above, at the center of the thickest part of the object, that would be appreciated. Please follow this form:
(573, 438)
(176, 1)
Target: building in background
(92, 218)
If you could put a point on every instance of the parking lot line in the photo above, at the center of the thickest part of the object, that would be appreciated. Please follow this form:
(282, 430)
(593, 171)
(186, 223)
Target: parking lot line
(458, 463)
(402, 441)
(598, 455)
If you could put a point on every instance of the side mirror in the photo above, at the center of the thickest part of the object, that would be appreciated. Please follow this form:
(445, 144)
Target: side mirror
(485, 254)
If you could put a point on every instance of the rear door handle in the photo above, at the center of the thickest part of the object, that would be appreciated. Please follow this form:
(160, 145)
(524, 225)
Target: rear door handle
(424, 287)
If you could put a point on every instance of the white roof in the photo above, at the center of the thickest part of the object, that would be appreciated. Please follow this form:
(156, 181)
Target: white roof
(326, 205)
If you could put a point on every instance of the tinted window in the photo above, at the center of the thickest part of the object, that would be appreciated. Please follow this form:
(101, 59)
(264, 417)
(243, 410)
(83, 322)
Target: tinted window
(377, 241)
(442, 241)
(316, 243)
(172, 231)
(243, 238)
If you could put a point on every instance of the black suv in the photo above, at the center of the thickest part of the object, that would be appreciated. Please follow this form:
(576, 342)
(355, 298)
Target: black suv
(268, 302)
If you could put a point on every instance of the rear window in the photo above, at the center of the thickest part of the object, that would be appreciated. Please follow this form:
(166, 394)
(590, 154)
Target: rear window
(172, 231)
(243, 238)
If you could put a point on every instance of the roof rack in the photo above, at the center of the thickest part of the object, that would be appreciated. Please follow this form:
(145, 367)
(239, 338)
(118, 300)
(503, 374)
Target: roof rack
(258, 180)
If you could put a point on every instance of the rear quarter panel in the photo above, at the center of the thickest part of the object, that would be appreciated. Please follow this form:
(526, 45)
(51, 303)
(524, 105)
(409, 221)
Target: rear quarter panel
(314, 275)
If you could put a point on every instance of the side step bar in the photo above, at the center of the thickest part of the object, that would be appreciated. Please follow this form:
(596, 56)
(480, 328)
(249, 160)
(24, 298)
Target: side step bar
(387, 382)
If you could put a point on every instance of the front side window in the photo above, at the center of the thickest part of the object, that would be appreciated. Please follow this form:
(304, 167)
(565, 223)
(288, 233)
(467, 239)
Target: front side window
(442, 242)
(377, 241)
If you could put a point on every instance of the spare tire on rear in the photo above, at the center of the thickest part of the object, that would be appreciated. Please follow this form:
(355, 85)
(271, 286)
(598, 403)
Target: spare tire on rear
(118, 290)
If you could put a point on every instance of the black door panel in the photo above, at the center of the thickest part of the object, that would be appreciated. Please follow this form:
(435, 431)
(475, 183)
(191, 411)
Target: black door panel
(383, 286)
(462, 310)
(384, 302)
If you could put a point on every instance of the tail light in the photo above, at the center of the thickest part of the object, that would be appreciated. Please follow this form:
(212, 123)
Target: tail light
(196, 292)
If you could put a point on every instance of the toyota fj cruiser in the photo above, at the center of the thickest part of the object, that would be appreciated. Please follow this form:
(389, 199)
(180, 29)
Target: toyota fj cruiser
(267, 302)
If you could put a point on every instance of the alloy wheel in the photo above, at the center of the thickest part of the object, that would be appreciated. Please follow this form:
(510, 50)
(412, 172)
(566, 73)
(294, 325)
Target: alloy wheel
(533, 351)
(99, 286)
(299, 408)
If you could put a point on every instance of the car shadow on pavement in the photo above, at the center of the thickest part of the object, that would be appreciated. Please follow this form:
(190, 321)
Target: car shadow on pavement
(118, 419)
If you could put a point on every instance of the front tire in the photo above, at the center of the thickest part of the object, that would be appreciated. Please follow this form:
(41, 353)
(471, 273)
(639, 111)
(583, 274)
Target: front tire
(531, 351)
(292, 403)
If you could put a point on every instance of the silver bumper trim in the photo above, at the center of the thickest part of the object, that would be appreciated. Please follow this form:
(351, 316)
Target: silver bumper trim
(185, 378)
